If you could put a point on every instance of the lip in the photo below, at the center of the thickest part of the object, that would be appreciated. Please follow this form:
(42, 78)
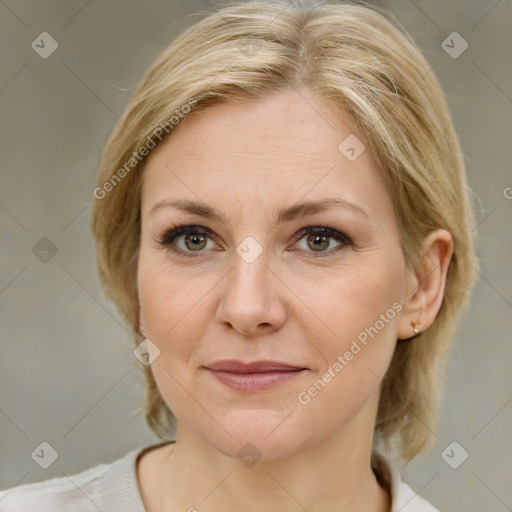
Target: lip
(255, 376)
(232, 365)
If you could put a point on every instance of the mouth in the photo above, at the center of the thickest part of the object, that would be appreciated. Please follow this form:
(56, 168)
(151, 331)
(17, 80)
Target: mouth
(255, 376)
(235, 366)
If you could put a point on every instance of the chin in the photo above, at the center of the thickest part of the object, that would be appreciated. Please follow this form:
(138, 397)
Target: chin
(258, 434)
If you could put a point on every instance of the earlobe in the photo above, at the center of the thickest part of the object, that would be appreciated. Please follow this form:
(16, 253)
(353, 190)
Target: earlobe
(423, 303)
(415, 328)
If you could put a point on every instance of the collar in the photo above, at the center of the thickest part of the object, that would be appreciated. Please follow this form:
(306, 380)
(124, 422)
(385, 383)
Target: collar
(403, 498)
(120, 488)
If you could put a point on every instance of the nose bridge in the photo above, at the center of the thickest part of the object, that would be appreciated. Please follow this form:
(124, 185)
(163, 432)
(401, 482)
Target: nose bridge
(250, 298)
(249, 269)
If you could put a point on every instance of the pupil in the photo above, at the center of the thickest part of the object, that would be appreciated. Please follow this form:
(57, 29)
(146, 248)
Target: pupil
(319, 240)
(196, 239)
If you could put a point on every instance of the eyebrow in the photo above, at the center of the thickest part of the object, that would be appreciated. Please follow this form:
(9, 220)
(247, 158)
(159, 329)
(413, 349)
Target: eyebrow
(284, 215)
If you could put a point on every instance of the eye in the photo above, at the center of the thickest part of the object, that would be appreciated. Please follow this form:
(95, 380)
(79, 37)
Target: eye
(195, 239)
(318, 239)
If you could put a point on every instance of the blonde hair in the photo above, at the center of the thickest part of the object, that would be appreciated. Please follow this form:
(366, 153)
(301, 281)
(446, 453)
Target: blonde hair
(355, 58)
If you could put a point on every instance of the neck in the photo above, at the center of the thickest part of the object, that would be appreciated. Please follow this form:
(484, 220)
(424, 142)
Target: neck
(332, 475)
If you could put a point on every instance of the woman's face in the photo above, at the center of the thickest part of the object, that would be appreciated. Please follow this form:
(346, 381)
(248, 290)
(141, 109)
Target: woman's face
(259, 286)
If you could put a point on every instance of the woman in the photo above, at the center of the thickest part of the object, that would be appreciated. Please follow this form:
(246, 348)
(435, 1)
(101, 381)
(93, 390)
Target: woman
(282, 217)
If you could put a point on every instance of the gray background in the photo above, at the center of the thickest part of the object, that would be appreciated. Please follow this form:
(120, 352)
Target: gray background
(67, 373)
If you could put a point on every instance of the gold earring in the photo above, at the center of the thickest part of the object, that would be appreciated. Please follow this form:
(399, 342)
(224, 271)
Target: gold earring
(416, 330)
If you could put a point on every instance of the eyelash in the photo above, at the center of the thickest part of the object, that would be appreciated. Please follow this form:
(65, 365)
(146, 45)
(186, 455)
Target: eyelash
(168, 237)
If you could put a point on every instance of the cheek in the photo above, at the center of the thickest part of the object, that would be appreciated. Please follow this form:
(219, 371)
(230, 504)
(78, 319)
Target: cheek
(168, 305)
(175, 310)
(350, 298)
(167, 296)
(355, 313)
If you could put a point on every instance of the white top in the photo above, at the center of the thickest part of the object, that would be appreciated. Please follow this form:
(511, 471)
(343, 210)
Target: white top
(114, 488)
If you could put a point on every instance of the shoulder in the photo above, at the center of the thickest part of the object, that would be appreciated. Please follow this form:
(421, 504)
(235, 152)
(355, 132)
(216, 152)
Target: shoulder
(80, 492)
(108, 486)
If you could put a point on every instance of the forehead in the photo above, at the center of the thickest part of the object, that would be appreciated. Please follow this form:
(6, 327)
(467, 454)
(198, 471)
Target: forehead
(281, 148)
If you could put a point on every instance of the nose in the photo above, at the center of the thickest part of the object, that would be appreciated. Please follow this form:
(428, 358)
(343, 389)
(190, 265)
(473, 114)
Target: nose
(252, 302)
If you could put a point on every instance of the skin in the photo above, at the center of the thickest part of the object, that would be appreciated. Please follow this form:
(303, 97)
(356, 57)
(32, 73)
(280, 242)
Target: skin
(248, 161)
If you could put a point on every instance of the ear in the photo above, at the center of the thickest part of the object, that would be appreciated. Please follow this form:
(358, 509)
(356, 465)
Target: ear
(426, 285)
